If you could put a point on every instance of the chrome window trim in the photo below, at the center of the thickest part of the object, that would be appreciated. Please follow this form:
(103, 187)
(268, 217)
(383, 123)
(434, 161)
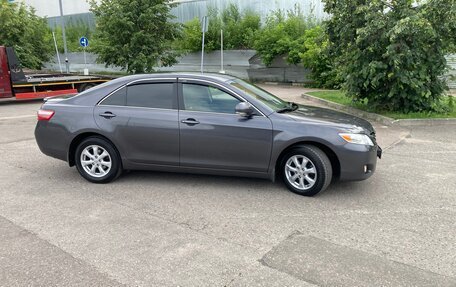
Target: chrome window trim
(100, 102)
(178, 80)
(135, 107)
(190, 111)
(217, 84)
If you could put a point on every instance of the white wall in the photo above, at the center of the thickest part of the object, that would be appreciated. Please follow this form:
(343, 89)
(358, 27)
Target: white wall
(188, 8)
(50, 8)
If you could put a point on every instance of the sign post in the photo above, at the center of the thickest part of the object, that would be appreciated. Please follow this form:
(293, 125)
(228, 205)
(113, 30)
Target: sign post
(204, 27)
(65, 50)
(84, 42)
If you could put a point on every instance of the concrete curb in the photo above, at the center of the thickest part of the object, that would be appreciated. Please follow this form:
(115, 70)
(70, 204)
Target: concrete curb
(379, 118)
(362, 114)
(425, 122)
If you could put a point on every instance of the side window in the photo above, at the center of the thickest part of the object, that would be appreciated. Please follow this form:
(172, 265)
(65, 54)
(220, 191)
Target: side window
(118, 98)
(155, 95)
(208, 99)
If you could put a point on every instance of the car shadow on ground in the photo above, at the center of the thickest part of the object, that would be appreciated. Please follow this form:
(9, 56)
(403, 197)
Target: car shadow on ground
(255, 185)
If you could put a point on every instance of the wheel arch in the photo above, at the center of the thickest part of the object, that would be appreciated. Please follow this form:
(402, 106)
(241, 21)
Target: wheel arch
(79, 138)
(335, 163)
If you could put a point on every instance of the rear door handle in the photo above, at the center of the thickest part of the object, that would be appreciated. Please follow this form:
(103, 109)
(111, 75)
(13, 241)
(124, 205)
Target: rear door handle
(107, 115)
(190, 121)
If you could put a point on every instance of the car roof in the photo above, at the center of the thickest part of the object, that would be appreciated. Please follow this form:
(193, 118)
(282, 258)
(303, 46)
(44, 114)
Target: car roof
(93, 95)
(205, 76)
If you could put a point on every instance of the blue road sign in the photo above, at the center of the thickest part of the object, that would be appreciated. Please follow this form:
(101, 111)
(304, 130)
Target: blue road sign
(84, 42)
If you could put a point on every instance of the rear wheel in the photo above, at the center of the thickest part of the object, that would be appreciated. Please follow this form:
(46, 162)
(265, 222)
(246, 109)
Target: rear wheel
(84, 87)
(97, 160)
(306, 170)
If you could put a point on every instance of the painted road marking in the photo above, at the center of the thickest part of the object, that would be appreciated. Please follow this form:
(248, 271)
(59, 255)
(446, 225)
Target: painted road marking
(17, 117)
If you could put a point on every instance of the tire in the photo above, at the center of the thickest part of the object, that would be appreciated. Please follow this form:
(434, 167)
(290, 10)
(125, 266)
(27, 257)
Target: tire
(85, 87)
(92, 165)
(316, 175)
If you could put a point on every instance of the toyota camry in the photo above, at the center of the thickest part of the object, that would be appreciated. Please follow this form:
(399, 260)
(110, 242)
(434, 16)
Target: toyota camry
(204, 123)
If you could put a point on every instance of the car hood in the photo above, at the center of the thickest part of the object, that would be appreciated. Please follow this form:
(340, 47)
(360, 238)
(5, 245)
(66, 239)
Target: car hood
(332, 117)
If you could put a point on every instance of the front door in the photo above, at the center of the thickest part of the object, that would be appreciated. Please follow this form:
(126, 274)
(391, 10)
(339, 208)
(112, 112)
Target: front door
(213, 136)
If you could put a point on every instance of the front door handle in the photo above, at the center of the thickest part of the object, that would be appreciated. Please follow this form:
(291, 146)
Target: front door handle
(190, 121)
(107, 115)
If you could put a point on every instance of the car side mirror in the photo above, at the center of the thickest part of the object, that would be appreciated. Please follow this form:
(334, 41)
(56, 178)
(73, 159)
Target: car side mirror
(244, 109)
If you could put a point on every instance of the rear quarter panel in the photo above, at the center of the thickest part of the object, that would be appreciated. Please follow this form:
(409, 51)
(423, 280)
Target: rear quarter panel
(54, 136)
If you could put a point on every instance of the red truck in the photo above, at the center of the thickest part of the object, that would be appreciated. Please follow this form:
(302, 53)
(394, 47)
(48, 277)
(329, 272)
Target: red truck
(15, 84)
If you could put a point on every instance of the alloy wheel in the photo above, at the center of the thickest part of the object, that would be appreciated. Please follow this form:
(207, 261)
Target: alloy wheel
(300, 172)
(96, 161)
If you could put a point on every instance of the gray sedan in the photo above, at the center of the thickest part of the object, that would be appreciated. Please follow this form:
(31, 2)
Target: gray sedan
(211, 124)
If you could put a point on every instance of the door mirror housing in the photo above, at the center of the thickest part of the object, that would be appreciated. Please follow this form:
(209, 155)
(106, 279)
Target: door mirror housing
(244, 109)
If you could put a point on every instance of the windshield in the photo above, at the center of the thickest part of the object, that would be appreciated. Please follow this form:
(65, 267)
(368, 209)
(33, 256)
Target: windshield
(269, 99)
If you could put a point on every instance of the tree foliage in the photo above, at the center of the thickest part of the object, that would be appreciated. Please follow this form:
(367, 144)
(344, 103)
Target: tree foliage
(301, 40)
(239, 30)
(391, 53)
(27, 33)
(135, 34)
(317, 57)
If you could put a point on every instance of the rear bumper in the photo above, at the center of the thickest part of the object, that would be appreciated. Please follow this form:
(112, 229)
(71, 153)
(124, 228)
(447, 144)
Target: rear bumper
(358, 162)
(51, 140)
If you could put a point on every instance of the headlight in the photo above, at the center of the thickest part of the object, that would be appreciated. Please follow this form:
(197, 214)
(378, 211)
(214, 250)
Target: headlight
(357, 139)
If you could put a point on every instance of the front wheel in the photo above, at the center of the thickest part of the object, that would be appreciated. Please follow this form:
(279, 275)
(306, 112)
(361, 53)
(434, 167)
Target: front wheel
(306, 170)
(97, 160)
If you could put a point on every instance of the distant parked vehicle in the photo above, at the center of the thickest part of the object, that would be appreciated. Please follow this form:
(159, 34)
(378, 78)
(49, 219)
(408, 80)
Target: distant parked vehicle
(211, 124)
(15, 84)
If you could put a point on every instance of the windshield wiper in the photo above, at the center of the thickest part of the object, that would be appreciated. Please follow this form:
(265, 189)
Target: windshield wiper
(291, 107)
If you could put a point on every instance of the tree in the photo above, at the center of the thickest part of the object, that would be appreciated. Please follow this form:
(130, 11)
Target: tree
(27, 33)
(391, 52)
(136, 35)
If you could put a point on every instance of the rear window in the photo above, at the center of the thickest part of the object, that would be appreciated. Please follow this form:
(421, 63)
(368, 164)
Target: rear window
(151, 95)
(118, 98)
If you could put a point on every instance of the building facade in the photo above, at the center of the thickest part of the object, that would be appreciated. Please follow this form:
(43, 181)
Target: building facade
(186, 9)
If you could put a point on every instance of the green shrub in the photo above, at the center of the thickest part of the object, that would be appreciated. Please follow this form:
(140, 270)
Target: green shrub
(239, 30)
(283, 34)
(316, 57)
(191, 36)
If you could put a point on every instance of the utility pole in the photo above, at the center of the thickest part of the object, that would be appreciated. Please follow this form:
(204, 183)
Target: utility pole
(221, 52)
(57, 52)
(65, 50)
(204, 26)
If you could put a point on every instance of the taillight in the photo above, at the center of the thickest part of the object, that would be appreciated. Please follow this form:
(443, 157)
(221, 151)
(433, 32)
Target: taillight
(45, 115)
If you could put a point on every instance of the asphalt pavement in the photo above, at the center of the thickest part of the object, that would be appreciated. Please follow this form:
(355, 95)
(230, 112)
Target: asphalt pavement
(397, 228)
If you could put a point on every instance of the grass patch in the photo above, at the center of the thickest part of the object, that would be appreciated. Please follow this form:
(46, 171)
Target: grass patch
(340, 98)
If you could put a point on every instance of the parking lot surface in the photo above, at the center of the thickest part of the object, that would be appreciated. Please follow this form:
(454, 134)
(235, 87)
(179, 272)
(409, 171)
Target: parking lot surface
(162, 229)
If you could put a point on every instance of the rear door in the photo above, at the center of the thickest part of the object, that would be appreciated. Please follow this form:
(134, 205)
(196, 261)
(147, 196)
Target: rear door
(146, 127)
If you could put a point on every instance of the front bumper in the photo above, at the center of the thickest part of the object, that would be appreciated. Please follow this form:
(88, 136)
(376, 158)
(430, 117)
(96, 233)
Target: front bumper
(358, 162)
(379, 152)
